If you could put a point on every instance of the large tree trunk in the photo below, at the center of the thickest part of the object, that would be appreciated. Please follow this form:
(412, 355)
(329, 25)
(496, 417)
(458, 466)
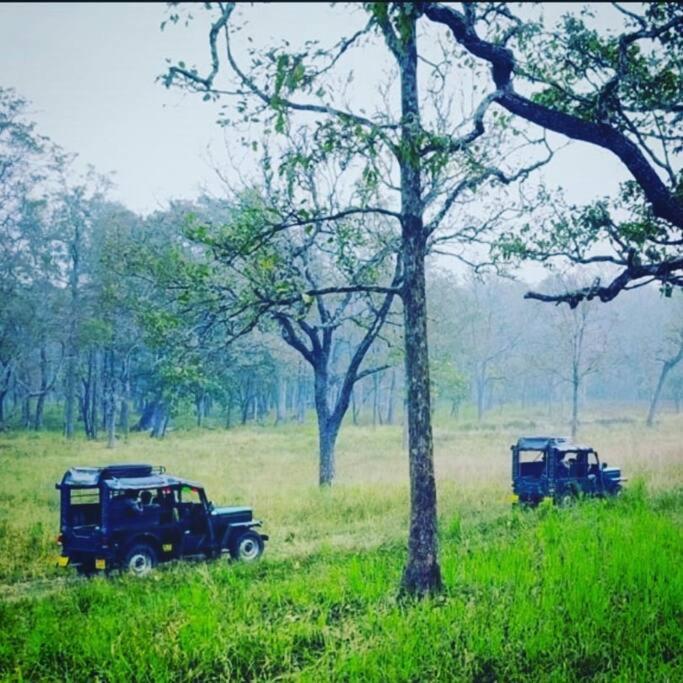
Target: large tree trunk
(422, 574)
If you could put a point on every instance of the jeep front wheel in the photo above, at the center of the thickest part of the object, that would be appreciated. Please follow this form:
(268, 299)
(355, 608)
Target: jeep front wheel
(566, 499)
(140, 559)
(248, 547)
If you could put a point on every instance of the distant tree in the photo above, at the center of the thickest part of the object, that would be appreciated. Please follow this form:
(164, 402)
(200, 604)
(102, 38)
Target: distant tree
(486, 323)
(669, 357)
(26, 262)
(676, 386)
(234, 275)
(578, 343)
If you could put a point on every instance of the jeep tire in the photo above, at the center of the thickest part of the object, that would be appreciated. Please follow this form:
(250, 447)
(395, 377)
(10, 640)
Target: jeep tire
(247, 547)
(140, 559)
(566, 499)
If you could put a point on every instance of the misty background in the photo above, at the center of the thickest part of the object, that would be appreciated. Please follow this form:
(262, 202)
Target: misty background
(88, 72)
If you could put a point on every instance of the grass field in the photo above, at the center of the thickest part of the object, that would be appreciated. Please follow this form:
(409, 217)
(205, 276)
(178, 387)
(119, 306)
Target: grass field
(595, 590)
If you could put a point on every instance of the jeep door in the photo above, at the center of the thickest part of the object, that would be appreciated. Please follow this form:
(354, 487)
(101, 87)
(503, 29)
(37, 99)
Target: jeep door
(194, 522)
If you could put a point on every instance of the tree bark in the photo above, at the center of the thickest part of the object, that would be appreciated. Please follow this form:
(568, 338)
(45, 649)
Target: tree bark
(422, 574)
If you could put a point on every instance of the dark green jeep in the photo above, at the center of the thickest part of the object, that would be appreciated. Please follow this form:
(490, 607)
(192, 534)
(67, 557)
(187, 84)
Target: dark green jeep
(133, 516)
(552, 466)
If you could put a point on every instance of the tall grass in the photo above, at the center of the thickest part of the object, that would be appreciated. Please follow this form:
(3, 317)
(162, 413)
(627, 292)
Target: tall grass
(548, 595)
(551, 594)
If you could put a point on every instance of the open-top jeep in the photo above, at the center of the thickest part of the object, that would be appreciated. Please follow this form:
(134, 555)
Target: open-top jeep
(555, 467)
(133, 516)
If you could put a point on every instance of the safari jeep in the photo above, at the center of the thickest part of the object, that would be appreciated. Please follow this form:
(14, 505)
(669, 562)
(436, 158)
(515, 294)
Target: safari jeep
(555, 467)
(134, 516)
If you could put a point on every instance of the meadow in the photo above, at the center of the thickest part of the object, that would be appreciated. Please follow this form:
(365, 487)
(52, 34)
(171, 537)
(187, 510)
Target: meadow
(594, 590)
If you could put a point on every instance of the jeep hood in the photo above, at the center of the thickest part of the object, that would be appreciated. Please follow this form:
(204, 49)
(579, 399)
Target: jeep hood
(231, 511)
(612, 472)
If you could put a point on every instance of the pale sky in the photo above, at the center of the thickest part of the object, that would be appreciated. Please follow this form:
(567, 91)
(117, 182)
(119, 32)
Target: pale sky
(89, 70)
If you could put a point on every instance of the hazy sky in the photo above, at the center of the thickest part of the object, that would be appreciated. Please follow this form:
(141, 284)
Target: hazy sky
(89, 70)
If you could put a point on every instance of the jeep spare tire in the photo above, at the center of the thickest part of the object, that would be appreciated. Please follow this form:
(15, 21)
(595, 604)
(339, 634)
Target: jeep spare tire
(248, 547)
(140, 559)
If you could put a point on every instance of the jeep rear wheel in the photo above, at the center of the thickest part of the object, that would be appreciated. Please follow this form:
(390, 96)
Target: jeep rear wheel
(140, 559)
(248, 547)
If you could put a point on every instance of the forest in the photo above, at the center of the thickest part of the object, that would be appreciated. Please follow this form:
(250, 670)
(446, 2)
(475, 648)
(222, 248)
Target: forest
(382, 290)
